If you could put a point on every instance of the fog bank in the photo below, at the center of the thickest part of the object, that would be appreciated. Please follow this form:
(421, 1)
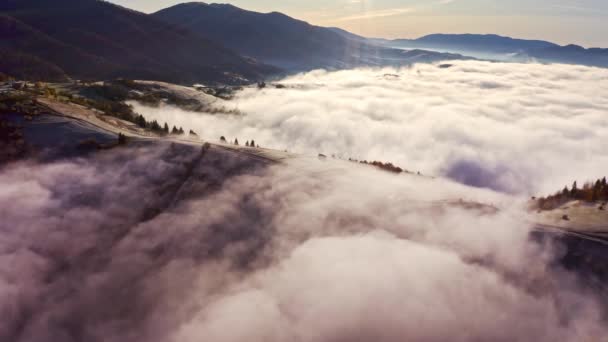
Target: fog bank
(174, 243)
(517, 128)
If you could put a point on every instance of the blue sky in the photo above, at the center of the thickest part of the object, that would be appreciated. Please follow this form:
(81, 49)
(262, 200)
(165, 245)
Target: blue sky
(563, 21)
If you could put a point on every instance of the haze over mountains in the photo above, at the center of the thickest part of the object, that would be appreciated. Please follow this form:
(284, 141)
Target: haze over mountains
(472, 42)
(223, 44)
(291, 44)
(91, 39)
(504, 48)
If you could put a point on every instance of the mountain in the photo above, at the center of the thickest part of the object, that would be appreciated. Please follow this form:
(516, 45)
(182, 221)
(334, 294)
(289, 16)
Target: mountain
(31, 54)
(473, 42)
(277, 39)
(569, 54)
(504, 48)
(347, 34)
(92, 39)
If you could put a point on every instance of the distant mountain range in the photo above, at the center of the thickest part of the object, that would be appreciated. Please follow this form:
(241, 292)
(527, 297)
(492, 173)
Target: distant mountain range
(570, 54)
(90, 39)
(223, 44)
(187, 43)
(291, 44)
(473, 42)
(504, 48)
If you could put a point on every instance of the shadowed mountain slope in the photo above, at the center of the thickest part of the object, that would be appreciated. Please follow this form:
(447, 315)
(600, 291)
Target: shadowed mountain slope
(277, 39)
(95, 40)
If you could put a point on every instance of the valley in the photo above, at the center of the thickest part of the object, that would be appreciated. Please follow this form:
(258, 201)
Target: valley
(185, 172)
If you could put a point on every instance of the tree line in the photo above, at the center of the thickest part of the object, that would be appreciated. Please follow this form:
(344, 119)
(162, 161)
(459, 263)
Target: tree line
(589, 192)
(236, 142)
(154, 126)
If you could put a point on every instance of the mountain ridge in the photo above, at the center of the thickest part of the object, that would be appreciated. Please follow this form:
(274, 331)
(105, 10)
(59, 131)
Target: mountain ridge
(114, 41)
(505, 48)
(277, 39)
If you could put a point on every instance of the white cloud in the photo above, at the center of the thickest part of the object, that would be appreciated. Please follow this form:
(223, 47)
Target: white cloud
(376, 14)
(161, 242)
(522, 128)
(306, 250)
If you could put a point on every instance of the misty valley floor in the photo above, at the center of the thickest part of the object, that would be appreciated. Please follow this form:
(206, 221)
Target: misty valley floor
(163, 241)
(526, 129)
(172, 238)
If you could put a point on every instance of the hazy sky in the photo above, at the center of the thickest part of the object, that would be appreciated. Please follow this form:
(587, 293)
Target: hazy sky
(562, 21)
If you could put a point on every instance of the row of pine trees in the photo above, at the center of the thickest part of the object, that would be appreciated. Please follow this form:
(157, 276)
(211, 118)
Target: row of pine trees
(156, 127)
(236, 142)
(589, 192)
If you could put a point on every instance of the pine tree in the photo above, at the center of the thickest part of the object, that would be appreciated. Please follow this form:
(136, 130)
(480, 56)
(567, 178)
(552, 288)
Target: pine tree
(236, 141)
(574, 189)
(166, 128)
(154, 126)
(181, 130)
(174, 130)
(247, 143)
(223, 139)
(252, 143)
(140, 121)
(595, 194)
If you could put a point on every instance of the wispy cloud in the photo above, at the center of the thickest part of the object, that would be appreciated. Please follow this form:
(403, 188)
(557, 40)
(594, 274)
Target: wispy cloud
(377, 14)
(579, 8)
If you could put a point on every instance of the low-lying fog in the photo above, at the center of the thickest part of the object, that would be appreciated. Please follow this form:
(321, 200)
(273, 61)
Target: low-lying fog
(164, 244)
(518, 128)
(169, 243)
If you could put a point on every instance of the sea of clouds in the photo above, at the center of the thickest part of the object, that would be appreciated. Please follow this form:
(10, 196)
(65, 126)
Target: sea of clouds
(165, 242)
(171, 243)
(526, 129)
